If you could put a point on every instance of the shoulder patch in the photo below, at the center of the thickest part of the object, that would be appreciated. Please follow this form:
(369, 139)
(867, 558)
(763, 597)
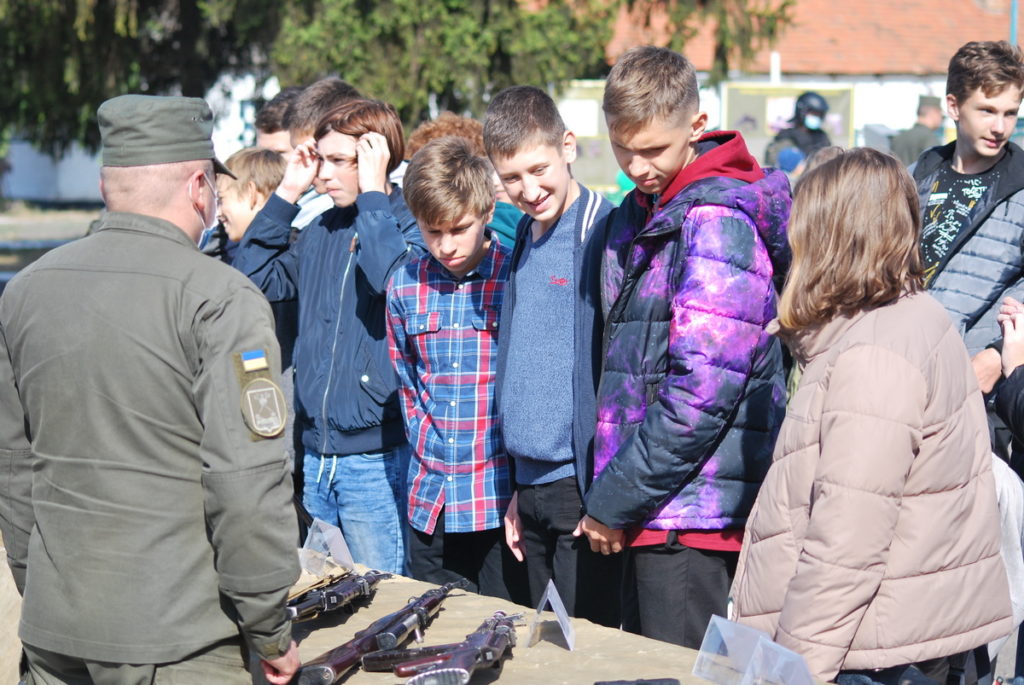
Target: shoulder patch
(263, 407)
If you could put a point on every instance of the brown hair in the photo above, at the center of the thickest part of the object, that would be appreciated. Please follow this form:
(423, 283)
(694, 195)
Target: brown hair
(315, 101)
(520, 116)
(447, 124)
(854, 231)
(447, 179)
(356, 117)
(263, 168)
(270, 118)
(649, 83)
(991, 66)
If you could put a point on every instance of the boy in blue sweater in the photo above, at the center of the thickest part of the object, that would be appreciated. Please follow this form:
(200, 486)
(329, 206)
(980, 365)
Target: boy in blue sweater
(549, 350)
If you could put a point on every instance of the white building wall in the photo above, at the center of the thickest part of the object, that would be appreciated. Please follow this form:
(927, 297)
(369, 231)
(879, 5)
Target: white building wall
(889, 100)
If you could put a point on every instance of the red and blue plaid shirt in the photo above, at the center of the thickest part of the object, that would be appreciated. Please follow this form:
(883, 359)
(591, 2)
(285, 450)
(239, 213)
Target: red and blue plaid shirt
(443, 334)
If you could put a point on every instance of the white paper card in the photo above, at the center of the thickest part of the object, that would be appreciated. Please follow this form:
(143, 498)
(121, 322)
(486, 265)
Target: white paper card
(551, 598)
(324, 542)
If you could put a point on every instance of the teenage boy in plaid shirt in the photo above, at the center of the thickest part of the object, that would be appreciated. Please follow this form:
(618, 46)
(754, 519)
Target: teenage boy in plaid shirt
(443, 331)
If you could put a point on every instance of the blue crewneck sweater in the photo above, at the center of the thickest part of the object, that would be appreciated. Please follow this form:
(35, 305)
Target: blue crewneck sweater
(538, 422)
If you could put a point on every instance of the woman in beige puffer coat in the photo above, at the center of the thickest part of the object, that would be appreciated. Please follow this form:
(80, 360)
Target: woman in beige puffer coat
(874, 542)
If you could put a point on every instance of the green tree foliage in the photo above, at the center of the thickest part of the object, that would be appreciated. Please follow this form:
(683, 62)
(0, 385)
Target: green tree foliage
(741, 27)
(59, 59)
(455, 51)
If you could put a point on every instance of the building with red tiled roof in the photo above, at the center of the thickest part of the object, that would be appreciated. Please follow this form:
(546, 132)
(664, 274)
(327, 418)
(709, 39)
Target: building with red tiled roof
(850, 37)
(871, 59)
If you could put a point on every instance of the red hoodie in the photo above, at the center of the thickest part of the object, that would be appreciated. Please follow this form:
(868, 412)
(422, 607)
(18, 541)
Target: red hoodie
(729, 158)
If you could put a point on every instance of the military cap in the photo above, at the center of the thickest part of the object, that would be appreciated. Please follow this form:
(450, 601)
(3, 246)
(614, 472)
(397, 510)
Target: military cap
(139, 130)
(929, 101)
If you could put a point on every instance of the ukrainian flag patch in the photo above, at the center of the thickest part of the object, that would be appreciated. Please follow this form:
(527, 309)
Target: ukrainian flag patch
(254, 360)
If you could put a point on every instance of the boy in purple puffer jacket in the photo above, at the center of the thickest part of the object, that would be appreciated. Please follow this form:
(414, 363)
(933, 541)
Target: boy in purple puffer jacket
(692, 391)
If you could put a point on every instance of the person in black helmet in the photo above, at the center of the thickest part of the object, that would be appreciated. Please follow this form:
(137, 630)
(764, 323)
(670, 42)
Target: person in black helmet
(806, 133)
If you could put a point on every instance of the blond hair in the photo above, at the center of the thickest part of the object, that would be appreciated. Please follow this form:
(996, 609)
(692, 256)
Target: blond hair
(259, 166)
(648, 84)
(445, 181)
(854, 231)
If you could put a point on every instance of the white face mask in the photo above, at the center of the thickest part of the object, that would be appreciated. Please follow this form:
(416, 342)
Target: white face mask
(209, 230)
(811, 121)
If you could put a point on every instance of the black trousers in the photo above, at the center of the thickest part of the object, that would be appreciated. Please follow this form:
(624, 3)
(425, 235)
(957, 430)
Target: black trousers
(480, 557)
(670, 591)
(587, 582)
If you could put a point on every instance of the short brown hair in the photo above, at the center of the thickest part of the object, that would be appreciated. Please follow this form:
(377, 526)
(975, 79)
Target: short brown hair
(649, 83)
(447, 179)
(270, 118)
(356, 117)
(520, 116)
(991, 66)
(315, 101)
(261, 167)
(447, 124)
(850, 254)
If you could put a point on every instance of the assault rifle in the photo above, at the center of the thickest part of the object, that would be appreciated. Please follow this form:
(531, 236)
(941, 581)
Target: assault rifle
(452, 664)
(333, 595)
(384, 633)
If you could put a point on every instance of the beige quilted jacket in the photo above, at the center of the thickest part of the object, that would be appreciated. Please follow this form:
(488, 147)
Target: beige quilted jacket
(874, 541)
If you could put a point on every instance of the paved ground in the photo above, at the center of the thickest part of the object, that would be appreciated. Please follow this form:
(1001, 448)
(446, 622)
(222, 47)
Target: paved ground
(18, 222)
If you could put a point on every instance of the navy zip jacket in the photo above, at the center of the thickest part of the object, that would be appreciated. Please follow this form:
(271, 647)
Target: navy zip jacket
(590, 232)
(346, 391)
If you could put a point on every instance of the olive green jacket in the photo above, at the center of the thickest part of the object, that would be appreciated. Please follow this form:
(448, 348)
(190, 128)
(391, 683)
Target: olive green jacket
(143, 519)
(908, 145)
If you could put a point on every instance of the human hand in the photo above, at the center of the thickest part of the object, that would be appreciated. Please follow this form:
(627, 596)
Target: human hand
(602, 538)
(1008, 308)
(1013, 343)
(372, 156)
(303, 165)
(987, 369)
(514, 528)
(280, 671)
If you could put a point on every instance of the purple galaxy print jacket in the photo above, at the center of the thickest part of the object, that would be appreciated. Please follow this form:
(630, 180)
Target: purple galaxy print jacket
(692, 391)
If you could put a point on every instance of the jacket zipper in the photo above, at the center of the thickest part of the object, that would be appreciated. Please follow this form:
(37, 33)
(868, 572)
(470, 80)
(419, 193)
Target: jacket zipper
(334, 347)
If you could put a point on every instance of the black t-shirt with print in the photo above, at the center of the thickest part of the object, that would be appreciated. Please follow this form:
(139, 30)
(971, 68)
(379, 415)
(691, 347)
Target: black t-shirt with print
(952, 204)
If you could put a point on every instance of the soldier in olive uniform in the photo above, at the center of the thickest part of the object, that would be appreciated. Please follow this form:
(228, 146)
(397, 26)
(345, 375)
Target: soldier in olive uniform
(907, 145)
(147, 511)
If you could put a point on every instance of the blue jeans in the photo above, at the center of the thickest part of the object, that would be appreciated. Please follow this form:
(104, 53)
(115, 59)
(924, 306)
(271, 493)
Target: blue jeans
(365, 496)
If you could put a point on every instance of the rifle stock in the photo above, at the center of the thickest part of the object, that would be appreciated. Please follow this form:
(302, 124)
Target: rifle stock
(452, 664)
